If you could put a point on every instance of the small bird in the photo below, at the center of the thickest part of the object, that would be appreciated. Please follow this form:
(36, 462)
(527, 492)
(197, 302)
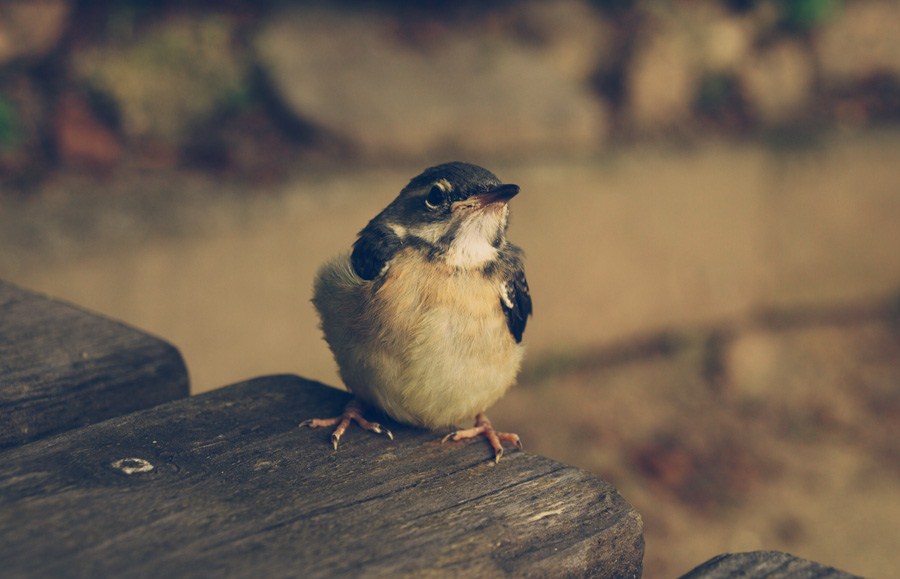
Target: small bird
(425, 315)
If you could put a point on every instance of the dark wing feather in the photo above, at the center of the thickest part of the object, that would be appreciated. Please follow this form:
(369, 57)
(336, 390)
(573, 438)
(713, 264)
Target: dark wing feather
(375, 246)
(516, 303)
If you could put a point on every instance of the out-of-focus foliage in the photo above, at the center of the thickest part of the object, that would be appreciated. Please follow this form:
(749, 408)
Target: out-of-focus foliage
(9, 131)
(807, 14)
(799, 15)
(162, 82)
(614, 6)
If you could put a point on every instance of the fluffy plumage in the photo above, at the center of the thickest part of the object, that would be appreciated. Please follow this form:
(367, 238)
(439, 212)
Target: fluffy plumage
(425, 316)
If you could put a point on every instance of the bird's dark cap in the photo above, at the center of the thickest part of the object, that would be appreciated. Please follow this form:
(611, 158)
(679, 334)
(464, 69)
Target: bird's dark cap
(465, 178)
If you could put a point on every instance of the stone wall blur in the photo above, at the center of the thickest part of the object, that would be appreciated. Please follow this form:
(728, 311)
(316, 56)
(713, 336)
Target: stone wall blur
(252, 87)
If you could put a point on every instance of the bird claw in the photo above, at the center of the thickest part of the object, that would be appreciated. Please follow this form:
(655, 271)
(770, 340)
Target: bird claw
(378, 429)
(352, 413)
(484, 428)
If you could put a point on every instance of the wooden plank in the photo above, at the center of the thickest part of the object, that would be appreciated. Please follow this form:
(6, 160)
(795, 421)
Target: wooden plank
(62, 367)
(764, 564)
(226, 485)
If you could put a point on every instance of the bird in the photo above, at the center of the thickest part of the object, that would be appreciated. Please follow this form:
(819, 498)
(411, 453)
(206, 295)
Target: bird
(426, 313)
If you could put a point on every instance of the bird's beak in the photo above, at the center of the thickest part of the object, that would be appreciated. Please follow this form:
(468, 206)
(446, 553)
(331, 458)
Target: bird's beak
(499, 194)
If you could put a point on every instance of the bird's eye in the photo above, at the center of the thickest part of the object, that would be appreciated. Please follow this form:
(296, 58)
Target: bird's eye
(435, 197)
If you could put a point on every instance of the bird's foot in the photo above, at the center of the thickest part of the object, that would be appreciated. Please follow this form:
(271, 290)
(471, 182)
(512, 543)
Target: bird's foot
(352, 412)
(484, 428)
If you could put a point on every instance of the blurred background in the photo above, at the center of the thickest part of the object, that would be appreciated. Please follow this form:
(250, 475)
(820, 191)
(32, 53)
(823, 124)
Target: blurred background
(710, 208)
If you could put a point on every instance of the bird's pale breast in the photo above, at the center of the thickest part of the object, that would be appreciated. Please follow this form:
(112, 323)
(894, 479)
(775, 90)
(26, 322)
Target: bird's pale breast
(427, 343)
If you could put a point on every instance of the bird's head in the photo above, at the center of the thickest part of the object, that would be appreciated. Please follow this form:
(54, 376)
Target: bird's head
(456, 212)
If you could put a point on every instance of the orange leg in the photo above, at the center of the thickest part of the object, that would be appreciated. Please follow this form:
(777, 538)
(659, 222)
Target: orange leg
(484, 428)
(352, 412)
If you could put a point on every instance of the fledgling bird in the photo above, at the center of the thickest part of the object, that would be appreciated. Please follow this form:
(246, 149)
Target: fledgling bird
(425, 316)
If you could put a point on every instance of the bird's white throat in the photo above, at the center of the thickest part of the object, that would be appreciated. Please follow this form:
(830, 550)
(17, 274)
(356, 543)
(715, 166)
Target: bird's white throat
(473, 245)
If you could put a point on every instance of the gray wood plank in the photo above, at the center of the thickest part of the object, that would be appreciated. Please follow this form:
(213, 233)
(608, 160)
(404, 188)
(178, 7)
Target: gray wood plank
(225, 484)
(62, 367)
(764, 565)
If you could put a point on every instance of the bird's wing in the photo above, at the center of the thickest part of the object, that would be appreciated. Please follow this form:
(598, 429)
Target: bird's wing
(373, 250)
(515, 299)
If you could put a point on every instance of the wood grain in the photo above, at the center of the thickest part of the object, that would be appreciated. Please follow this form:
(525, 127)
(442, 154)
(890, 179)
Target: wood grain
(62, 367)
(764, 564)
(226, 485)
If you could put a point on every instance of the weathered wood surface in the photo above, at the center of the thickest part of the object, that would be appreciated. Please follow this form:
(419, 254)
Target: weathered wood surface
(764, 565)
(226, 485)
(62, 367)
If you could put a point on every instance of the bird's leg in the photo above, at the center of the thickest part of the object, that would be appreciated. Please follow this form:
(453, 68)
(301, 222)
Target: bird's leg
(352, 412)
(484, 428)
